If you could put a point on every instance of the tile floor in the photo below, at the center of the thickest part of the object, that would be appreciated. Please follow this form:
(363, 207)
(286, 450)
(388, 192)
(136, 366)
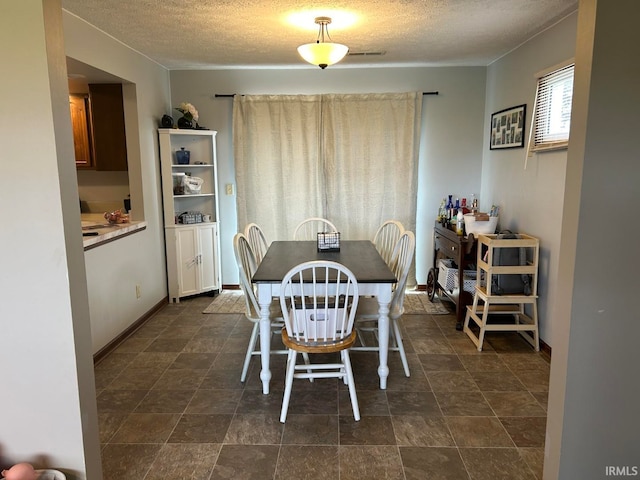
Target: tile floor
(171, 406)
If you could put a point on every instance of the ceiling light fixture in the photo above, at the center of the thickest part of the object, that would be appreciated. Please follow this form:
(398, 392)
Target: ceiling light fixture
(323, 53)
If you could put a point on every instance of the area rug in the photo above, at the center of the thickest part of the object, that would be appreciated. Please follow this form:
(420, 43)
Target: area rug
(232, 301)
(227, 301)
(417, 302)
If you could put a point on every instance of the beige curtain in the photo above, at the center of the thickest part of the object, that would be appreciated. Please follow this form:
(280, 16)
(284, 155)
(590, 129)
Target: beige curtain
(349, 158)
(370, 158)
(276, 141)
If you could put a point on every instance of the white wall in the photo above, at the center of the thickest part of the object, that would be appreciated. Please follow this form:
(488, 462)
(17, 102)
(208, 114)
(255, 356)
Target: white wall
(114, 269)
(594, 395)
(102, 191)
(48, 414)
(451, 143)
(531, 199)
(60, 306)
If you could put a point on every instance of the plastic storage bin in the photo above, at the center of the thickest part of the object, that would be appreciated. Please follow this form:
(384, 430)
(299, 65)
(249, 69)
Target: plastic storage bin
(472, 225)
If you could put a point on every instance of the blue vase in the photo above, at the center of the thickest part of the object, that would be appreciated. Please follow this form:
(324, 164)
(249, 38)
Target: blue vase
(183, 156)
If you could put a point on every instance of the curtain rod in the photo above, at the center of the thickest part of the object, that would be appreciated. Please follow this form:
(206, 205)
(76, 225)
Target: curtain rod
(231, 95)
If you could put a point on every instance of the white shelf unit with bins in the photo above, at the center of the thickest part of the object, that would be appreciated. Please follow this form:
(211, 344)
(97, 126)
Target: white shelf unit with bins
(525, 319)
(192, 249)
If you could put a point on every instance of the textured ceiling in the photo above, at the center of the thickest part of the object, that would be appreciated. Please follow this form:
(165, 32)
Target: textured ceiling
(188, 34)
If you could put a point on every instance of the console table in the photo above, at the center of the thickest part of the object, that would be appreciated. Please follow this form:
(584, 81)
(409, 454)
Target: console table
(462, 250)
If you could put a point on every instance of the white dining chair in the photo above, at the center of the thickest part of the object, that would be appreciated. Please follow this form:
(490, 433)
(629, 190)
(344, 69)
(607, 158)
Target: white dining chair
(386, 238)
(309, 228)
(257, 240)
(319, 321)
(367, 314)
(246, 268)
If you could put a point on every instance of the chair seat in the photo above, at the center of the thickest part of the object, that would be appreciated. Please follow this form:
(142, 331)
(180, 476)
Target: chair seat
(318, 347)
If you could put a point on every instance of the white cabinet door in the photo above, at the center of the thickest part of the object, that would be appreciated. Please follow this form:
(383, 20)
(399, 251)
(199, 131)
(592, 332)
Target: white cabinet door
(188, 261)
(197, 269)
(208, 255)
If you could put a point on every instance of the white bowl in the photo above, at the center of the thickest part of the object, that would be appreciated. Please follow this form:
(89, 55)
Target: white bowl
(48, 474)
(474, 226)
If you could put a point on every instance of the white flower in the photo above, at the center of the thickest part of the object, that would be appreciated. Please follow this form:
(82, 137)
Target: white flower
(189, 111)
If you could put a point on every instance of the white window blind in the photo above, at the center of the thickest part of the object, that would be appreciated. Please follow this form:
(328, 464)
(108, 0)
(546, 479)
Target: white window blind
(552, 115)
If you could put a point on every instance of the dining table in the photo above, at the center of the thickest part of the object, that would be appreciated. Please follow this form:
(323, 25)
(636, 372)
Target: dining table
(373, 275)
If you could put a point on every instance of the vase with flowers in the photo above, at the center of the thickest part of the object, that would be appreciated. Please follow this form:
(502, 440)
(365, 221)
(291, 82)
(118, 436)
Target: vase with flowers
(189, 115)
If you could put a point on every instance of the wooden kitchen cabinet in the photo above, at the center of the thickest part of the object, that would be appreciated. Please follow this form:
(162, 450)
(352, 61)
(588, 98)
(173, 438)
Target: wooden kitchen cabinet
(79, 108)
(98, 126)
(191, 219)
(107, 127)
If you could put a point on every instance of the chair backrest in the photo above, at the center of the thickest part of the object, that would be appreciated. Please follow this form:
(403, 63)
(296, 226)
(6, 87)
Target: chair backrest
(257, 240)
(400, 264)
(246, 268)
(308, 229)
(324, 313)
(386, 238)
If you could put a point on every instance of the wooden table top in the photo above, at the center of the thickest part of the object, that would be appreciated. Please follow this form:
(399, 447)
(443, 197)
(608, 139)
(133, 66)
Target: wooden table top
(359, 256)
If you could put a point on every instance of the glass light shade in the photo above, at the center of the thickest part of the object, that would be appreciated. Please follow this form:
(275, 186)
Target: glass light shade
(323, 54)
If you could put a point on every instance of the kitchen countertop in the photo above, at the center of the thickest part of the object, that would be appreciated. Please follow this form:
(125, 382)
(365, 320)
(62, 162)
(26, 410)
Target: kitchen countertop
(95, 222)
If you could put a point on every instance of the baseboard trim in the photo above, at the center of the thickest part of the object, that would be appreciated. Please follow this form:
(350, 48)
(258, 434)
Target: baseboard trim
(544, 348)
(230, 287)
(113, 344)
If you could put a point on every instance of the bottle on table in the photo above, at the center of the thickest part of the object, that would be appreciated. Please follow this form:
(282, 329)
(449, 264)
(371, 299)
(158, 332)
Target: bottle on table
(460, 223)
(450, 209)
(442, 211)
(463, 205)
(474, 203)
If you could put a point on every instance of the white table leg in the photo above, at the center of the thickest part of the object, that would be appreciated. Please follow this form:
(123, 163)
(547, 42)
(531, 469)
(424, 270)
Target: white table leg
(264, 299)
(384, 298)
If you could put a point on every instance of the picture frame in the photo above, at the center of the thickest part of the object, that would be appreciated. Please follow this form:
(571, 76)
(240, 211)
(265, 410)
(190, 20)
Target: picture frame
(507, 128)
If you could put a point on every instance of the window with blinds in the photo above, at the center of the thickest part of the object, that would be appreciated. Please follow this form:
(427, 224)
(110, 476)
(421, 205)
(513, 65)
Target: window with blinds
(552, 114)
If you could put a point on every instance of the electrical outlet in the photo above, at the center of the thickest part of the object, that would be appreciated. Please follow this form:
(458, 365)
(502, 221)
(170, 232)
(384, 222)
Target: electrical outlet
(229, 188)
(138, 292)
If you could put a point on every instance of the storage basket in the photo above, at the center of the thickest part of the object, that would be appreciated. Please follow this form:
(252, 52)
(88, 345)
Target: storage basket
(192, 185)
(328, 241)
(319, 324)
(190, 217)
(448, 277)
(475, 226)
(447, 274)
(469, 281)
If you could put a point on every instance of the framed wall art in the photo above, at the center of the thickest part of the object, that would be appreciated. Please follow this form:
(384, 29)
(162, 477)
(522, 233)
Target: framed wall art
(507, 128)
